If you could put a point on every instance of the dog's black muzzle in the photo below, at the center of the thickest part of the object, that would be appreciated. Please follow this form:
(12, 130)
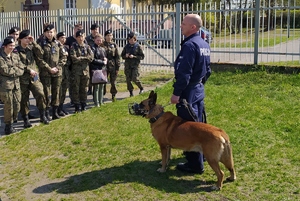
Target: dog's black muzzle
(136, 109)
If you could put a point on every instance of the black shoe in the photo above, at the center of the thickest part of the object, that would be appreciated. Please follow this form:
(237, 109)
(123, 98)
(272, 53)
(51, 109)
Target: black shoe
(184, 167)
(83, 106)
(130, 93)
(60, 111)
(77, 108)
(54, 113)
(141, 90)
(43, 118)
(27, 123)
(9, 129)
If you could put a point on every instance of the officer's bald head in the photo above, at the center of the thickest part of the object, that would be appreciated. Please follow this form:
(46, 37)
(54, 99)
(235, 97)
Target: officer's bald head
(194, 19)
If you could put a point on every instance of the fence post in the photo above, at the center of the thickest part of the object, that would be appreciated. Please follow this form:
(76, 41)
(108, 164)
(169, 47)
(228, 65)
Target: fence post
(58, 21)
(257, 27)
(177, 28)
(20, 22)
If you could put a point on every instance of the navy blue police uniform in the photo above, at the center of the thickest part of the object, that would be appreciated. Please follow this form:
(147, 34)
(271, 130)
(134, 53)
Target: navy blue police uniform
(192, 69)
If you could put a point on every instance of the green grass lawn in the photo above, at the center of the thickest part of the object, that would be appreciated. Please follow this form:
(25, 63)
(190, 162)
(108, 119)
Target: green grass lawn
(106, 154)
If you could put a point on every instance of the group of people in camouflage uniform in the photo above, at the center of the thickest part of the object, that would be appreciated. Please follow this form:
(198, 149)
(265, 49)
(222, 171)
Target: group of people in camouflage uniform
(53, 63)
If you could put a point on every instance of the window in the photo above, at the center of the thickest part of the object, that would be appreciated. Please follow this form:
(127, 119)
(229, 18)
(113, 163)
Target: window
(38, 1)
(70, 4)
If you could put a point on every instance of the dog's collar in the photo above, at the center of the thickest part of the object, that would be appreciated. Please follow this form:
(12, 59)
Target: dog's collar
(154, 119)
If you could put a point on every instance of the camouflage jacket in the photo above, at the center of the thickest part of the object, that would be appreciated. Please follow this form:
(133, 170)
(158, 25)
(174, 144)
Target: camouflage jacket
(113, 56)
(66, 59)
(81, 57)
(136, 51)
(11, 68)
(28, 58)
(52, 56)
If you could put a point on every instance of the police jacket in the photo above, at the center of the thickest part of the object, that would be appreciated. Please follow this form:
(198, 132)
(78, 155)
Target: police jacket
(192, 65)
(99, 55)
(81, 57)
(136, 50)
(52, 56)
(28, 58)
(112, 54)
(11, 68)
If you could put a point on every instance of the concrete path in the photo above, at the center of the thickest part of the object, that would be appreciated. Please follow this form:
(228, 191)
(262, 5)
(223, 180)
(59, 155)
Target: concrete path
(33, 109)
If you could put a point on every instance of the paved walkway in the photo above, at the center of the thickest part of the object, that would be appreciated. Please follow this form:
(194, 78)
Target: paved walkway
(33, 109)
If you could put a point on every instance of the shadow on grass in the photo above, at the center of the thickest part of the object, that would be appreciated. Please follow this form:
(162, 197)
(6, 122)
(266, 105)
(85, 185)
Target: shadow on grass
(142, 172)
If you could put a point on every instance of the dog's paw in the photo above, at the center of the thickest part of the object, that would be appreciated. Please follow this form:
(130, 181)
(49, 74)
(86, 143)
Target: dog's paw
(215, 188)
(230, 179)
(161, 170)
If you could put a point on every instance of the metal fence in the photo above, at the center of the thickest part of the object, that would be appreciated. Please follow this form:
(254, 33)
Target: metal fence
(242, 33)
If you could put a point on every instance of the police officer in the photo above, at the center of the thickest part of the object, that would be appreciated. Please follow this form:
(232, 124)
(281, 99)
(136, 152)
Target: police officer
(51, 63)
(81, 56)
(192, 69)
(132, 54)
(90, 39)
(29, 80)
(11, 68)
(61, 37)
(113, 62)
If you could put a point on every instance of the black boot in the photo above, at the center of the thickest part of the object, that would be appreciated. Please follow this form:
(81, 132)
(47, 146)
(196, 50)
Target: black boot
(43, 118)
(30, 116)
(9, 129)
(77, 108)
(63, 110)
(47, 114)
(60, 111)
(83, 106)
(27, 123)
(54, 113)
(131, 93)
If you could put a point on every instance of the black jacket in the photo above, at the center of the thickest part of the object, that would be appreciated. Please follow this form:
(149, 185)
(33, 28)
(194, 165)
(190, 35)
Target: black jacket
(99, 55)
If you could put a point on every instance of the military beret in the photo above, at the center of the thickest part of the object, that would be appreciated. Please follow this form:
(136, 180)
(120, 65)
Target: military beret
(13, 30)
(79, 33)
(49, 27)
(94, 26)
(8, 40)
(107, 32)
(130, 35)
(60, 34)
(24, 33)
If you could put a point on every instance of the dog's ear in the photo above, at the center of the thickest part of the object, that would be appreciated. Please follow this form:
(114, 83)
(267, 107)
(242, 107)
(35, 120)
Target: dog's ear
(154, 98)
(151, 94)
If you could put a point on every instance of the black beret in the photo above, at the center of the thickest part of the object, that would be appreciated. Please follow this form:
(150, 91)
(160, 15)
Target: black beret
(49, 27)
(130, 35)
(60, 34)
(8, 40)
(13, 30)
(79, 33)
(94, 26)
(107, 32)
(24, 33)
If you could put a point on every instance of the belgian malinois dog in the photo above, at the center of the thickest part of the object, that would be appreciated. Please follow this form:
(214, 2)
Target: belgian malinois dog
(171, 131)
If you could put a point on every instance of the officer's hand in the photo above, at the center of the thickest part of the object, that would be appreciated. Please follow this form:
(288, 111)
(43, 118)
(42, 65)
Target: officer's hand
(127, 55)
(54, 70)
(131, 56)
(175, 99)
(31, 39)
(105, 61)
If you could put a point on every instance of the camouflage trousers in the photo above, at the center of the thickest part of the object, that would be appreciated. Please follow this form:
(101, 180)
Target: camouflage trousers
(37, 91)
(63, 90)
(51, 87)
(79, 85)
(132, 75)
(11, 100)
(112, 76)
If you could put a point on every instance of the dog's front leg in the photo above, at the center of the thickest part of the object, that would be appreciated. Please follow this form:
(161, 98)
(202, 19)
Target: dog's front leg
(164, 154)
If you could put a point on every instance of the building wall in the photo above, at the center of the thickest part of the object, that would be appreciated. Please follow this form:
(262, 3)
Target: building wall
(16, 5)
